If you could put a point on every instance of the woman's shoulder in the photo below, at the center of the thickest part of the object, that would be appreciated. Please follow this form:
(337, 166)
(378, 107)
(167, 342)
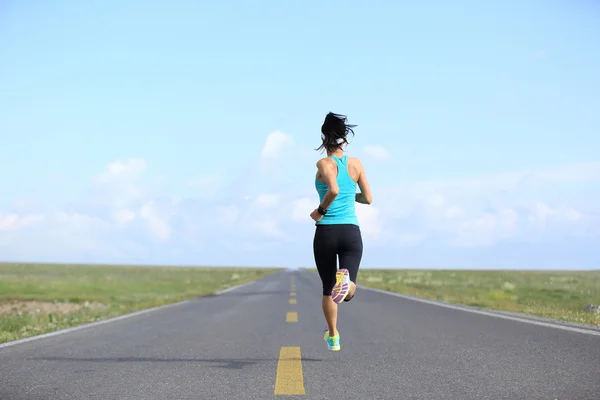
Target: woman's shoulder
(324, 161)
(355, 162)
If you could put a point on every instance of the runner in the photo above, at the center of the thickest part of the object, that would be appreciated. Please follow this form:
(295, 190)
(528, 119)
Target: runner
(337, 232)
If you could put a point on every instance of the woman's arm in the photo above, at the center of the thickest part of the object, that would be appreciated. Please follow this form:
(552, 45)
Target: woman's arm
(364, 196)
(329, 173)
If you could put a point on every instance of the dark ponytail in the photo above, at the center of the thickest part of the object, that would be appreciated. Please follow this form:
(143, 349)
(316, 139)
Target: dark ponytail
(334, 130)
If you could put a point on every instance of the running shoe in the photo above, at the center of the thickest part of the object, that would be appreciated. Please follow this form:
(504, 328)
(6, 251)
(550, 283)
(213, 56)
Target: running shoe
(333, 343)
(341, 287)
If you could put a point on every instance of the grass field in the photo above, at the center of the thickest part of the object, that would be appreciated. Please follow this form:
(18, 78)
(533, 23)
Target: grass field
(38, 298)
(557, 295)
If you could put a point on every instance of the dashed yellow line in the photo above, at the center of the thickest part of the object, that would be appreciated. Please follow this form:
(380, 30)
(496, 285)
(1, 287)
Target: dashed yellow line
(292, 293)
(289, 378)
(292, 301)
(291, 316)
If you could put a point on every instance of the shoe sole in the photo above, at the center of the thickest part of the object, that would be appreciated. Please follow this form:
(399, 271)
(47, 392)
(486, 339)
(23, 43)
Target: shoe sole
(340, 289)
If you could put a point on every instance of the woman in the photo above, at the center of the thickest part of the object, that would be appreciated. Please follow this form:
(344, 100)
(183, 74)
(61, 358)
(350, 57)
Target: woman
(337, 232)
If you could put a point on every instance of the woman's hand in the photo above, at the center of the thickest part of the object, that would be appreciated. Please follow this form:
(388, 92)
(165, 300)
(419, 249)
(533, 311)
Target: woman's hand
(315, 215)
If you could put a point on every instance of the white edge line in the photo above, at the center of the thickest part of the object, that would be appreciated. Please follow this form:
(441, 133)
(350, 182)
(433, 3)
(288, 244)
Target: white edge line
(590, 331)
(114, 319)
(229, 289)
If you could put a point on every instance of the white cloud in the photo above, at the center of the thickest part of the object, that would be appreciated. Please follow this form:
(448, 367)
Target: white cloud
(276, 142)
(267, 199)
(228, 215)
(411, 239)
(205, 187)
(488, 210)
(369, 220)
(157, 225)
(301, 209)
(510, 180)
(542, 214)
(123, 216)
(13, 221)
(453, 212)
(436, 200)
(25, 205)
(474, 212)
(60, 236)
(378, 152)
(119, 184)
(487, 228)
(78, 222)
(268, 227)
(119, 171)
(579, 172)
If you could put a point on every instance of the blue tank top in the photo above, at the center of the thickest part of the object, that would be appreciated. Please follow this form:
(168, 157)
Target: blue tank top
(342, 210)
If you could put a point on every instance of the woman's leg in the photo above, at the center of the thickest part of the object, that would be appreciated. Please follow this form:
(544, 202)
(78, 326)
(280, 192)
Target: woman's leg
(351, 250)
(325, 249)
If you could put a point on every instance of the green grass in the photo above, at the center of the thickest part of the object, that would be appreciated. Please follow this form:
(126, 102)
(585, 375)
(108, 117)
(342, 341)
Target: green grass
(61, 296)
(560, 295)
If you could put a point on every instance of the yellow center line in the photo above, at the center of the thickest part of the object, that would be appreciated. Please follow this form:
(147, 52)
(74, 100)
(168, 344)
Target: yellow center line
(292, 293)
(292, 301)
(289, 378)
(291, 316)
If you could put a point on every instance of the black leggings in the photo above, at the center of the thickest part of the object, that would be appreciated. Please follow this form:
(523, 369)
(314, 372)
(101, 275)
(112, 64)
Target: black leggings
(332, 241)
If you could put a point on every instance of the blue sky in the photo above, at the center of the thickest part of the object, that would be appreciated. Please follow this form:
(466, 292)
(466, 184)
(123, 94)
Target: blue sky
(184, 132)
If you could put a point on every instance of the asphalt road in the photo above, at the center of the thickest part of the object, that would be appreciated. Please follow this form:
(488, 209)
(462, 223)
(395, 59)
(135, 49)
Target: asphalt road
(249, 344)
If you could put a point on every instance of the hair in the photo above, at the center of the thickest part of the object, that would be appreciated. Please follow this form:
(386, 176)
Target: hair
(335, 131)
